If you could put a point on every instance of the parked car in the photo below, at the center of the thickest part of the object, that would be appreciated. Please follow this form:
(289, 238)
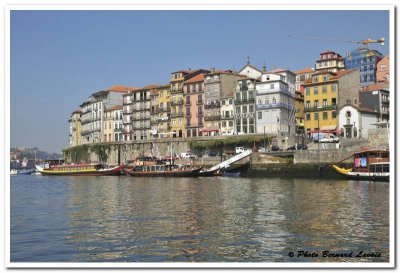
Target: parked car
(187, 155)
(275, 149)
(239, 150)
(212, 153)
(298, 147)
(329, 139)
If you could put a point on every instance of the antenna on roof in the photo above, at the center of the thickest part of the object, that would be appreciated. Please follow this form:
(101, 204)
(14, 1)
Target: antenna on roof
(248, 60)
(264, 67)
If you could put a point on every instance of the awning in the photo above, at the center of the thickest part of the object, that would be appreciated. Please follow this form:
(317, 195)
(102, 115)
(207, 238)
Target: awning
(328, 128)
(209, 130)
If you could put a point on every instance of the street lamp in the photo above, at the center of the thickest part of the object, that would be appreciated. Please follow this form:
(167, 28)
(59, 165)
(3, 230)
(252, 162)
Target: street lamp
(264, 140)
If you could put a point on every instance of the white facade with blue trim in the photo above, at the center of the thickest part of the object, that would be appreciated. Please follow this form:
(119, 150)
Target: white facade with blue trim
(275, 99)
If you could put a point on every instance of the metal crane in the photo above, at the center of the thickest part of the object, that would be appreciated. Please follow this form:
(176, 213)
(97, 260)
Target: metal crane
(365, 42)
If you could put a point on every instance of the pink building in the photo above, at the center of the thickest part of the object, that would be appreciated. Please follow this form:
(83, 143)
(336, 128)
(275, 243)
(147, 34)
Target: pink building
(383, 70)
(194, 105)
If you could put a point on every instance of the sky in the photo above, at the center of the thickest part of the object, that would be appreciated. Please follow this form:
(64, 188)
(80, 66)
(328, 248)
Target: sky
(59, 58)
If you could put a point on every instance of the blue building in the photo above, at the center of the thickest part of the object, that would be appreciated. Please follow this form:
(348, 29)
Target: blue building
(365, 59)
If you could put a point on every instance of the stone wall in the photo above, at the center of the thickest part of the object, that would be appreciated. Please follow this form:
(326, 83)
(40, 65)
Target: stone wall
(322, 156)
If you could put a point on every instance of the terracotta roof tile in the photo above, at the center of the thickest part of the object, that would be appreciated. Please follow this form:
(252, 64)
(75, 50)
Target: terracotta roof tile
(115, 107)
(121, 88)
(374, 87)
(198, 78)
(304, 71)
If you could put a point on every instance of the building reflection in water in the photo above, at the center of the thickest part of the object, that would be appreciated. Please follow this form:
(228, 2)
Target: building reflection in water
(219, 219)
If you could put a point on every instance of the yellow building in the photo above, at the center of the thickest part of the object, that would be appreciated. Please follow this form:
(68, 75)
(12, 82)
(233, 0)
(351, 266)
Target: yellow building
(176, 89)
(320, 102)
(108, 130)
(164, 110)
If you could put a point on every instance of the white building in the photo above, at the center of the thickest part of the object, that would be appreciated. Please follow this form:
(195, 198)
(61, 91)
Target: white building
(355, 122)
(92, 116)
(227, 117)
(275, 103)
(250, 71)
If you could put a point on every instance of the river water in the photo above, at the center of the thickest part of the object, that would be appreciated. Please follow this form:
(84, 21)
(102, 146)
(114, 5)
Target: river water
(216, 219)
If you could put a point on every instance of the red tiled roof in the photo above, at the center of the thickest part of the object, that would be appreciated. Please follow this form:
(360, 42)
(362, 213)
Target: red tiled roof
(198, 78)
(121, 88)
(304, 71)
(112, 108)
(374, 87)
(77, 111)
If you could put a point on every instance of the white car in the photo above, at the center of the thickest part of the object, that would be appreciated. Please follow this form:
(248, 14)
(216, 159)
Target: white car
(239, 150)
(329, 139)
(187, 155)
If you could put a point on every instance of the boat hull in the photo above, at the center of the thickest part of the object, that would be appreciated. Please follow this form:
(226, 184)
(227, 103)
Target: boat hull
(370, 176)
(173, 173)
(101, 172)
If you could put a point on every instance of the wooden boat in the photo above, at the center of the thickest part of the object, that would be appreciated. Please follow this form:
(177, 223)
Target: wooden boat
(80, 169)
(151, 167)
(368, 165)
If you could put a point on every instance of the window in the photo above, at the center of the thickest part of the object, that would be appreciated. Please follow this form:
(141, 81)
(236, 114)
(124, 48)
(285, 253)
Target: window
(333, 114)
(308, 91)
(333, 87)
(316, 116)
(230, 123)
(315, 103)
(251, 108)
(324, 102)
(325, 115)
(223, 102)
(308, 104)
(324, 89)
(224, 124)
(259, 114)
(315, 79)
(308, 117)
(271, 86)
(238, 110)
(273, 100)
(315, 90)
(334, 101)
(238, 96)
(244, 109)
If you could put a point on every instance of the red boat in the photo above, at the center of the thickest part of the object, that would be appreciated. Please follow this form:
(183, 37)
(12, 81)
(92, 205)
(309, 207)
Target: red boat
(80, 169)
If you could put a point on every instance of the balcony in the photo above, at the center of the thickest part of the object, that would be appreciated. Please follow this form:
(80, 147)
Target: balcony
(176, 90)
(141, 109)
(276, 105)
(188, 115)
(117, 129)
(264, 91)
(200, 115)
(212, 105)
(175, 103)
(125, 131)
(176, 115)
(227, 117)
(140, 118)
(127, 102)
(165, 109)
(199, 102)
(244, 101)
(187, 103)
(127, 111)
(211, 118)
(320, 108)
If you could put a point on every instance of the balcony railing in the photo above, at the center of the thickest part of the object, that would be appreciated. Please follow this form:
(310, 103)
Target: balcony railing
(165, 109)
(243, 101)
(212, 105)
(140, 118)
(320, 108)
(117, 129)
(176, 115)
(175, 103)
(264, 91)
(125, 131)
(227, 117)
(176, 90)
(211, 118)
(127, 111)
(276, 105)
(187, 103)
(199, 102)
(126, 121)
(126, 102)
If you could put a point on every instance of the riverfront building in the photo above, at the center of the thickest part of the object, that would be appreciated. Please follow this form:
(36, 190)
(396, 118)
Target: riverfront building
(227, 117)
(250, 71)
(325, 92)
(301, 77)
(366, 61)
(75, 128)
(376, 97)
(217, 84)
(330, 61)
(356, 121)
(113, 124)
(245, 106)
(275, 102)
(383, 70)
(92, 117)
(164, 109)
(194, 105)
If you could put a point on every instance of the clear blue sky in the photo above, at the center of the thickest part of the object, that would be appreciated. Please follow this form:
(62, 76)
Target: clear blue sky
(59, 58)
